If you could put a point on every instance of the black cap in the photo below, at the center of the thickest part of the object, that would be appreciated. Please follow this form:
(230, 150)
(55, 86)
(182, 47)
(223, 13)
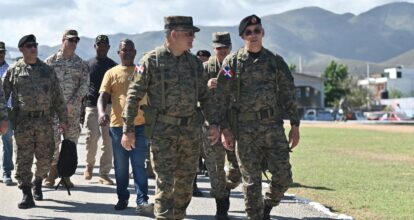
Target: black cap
(249, 20)
(27, 39)
(102, 38)
(2, 46)
(203, 53)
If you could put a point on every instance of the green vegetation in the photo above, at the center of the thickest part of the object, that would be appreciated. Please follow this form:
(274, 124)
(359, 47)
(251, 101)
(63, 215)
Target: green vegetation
(362, 173)
(334, 76)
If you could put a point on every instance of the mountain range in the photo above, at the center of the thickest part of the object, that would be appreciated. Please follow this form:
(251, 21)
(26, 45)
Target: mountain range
(381, 37)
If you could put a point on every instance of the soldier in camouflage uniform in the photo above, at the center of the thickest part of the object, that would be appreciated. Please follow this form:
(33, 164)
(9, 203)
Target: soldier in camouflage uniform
(172, 78)
(72, 73)
(257, 85)
(36, 97)
(215, 155)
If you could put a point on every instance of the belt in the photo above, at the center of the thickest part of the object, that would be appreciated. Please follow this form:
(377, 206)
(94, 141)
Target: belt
(33, 114)
(255, 116)
(180, 121)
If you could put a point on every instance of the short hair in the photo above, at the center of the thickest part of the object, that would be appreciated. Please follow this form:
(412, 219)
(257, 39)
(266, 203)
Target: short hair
(167, 32)
(126, 41)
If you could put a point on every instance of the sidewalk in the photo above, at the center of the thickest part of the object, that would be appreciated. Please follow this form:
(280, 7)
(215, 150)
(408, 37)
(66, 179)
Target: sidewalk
(91, 200)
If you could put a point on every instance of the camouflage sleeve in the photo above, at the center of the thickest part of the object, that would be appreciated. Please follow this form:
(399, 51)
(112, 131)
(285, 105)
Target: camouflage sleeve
(136, 92)
(7, 84)
(204, 95)
(58, 101)
(3, 105)
(286, 95)
(223, 94)
(82, 89)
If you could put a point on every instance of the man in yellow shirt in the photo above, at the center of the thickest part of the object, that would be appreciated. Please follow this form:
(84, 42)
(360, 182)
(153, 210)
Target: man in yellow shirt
(114, 87)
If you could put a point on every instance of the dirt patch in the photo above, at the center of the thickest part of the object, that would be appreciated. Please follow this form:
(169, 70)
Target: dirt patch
(377, 157)
(373, 127)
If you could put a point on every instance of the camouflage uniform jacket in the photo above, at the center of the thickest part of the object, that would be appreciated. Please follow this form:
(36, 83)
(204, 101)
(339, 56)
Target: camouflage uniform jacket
(265, 83)
(73, 76)
(3, 105)
(34, 88)
(211, 69)
(179, 84)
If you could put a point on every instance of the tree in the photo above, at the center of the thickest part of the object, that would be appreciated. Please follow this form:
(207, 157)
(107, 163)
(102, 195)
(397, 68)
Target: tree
(292, 68)
(334, 76)
(395, 94)
(358, 96)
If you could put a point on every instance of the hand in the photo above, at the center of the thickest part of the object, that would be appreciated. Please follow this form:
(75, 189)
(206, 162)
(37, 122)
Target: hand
(213, 134)
(4, 126)
(294, 136)
(70, 108)
(103, 120)
(227, 140)
(128, 141)
(62, 127)
(212, 83)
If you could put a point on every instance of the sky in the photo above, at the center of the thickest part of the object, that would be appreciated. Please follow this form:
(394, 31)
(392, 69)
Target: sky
(47, 19)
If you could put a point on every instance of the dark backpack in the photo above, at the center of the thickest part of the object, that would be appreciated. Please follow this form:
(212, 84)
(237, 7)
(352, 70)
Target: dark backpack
(68, 161)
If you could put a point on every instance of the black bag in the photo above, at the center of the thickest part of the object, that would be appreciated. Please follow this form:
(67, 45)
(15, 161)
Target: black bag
(68, 161)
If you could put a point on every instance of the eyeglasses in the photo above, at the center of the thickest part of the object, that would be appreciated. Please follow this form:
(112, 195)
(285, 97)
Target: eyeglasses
(31, 45)
(73, 40)
(187, 33)
(250, 32)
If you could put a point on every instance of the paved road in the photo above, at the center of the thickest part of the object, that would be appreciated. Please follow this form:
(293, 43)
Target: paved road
(91, 200)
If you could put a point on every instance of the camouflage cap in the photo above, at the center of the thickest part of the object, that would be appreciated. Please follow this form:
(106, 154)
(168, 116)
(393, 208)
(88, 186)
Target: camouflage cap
(221, 39)
(26, 39)
(2, 46)
(70, 34)
(102, 39)
(183, 22)
(247, 21)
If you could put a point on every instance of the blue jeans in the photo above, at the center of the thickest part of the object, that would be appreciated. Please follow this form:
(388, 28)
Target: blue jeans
(121, 164)
(8, 150)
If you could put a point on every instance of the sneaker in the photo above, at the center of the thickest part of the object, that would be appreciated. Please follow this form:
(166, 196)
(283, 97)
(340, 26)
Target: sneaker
(145, 209)
(121, 205)
(106, 180)
(7, 179)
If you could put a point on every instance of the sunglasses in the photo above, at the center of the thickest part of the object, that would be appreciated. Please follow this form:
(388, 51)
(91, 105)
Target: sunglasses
(31, 45)
(73, 40)
(222, 48)
(250, 32)
(187, 33)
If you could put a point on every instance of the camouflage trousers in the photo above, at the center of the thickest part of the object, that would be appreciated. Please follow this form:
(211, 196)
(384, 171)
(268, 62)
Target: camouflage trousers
(34, 138)
(72, 133)
(263, 142)
(221, 182)
(174, 156)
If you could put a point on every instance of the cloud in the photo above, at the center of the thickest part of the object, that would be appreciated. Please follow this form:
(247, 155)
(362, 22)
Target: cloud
(47, 19)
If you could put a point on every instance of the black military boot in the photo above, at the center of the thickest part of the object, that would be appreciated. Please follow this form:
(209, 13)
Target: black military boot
(27, 201)
(222, 207)
(37, 189)
(266, 212)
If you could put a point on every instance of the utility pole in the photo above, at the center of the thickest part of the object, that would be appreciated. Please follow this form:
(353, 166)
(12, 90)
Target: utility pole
(368, 105)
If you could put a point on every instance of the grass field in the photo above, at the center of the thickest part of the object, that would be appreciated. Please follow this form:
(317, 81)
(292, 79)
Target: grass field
(365, 173)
